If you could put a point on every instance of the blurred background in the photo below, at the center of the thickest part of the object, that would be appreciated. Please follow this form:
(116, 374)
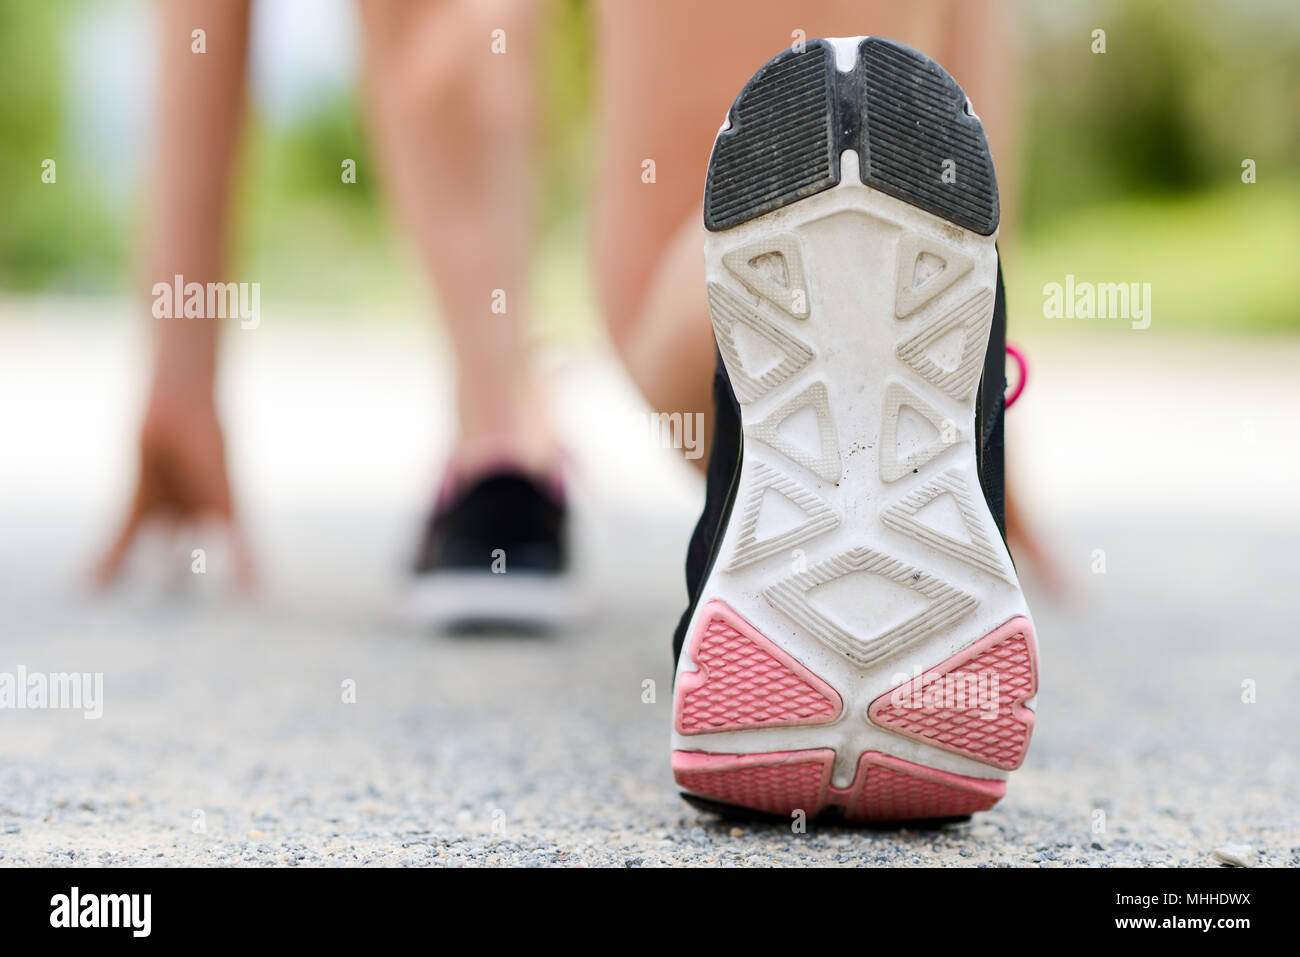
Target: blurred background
(1131, 159)
(1158, 466)
(1129, 168)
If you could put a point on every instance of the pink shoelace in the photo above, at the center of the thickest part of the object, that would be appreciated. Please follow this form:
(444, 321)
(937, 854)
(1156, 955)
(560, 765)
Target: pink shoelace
(1015, 353)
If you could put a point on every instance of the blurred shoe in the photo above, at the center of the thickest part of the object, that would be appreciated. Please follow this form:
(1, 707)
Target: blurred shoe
(494, 555)
(857, 644)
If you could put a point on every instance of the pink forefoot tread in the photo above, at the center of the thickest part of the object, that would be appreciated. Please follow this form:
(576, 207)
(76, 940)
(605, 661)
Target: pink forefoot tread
(777, 782)
(884, 788)
(745, 681)
(973, 703)
(891, 789)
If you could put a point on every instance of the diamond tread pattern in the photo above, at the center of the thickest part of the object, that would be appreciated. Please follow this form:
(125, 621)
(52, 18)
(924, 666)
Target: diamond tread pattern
(745, 681)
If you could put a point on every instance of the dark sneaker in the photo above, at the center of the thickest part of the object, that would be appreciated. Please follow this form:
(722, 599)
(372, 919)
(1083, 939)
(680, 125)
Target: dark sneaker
(494, 554)
(857, 644)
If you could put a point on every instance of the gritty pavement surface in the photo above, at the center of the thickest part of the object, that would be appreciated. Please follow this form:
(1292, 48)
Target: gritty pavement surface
(1166, 723)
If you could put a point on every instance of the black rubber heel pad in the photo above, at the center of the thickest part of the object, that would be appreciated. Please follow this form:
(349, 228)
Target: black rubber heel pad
(915, 127)
(783, 143)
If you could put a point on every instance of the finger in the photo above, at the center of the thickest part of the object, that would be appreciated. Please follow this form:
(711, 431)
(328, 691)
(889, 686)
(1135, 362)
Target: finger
(109, 566)
(110, 563)
(245, 566)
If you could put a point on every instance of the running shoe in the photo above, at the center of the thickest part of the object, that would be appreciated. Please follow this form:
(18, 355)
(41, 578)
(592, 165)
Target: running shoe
(857, 645)
(494, 555)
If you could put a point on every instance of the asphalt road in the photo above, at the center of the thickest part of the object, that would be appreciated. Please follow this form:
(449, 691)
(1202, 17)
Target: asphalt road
(225, 737)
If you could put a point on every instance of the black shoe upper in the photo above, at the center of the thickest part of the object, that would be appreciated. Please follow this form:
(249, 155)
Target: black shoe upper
(506, 511)
(726, 455)
(721, 479)
(990, 412)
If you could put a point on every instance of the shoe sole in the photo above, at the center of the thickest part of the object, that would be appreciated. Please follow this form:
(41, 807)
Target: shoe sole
(861, 647)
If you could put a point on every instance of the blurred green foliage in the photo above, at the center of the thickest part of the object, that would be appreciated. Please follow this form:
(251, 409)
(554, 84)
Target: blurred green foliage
(1132, 162)
(1131, 169)
(1185, 91)
(60, 235)
(1216, 261)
